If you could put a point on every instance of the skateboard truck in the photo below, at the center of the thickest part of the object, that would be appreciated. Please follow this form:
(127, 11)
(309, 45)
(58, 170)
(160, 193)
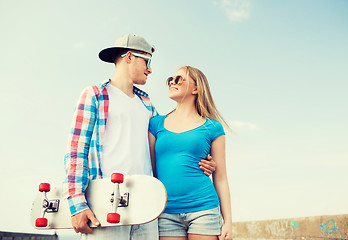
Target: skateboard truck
(47, 205)
(124, 200)
(116, 199)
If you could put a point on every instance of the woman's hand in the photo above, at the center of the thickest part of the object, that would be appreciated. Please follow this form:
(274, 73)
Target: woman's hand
(226, 232)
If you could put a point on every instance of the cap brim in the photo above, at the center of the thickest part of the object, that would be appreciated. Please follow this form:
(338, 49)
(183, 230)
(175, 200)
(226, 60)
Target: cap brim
(109, 54)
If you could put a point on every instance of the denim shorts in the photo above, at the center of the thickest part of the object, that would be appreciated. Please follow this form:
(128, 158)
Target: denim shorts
(207, 222)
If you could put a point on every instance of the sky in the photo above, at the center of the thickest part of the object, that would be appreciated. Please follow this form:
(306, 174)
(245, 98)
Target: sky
(277, 71)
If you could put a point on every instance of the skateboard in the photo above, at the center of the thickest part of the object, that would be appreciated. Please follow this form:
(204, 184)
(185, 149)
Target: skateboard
(116, 201)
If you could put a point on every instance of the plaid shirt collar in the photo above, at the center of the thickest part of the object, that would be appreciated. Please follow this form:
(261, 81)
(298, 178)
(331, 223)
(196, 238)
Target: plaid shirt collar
(136, 90)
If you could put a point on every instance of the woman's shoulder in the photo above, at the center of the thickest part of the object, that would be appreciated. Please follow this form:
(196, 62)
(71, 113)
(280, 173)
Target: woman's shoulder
(157, 119)
(214, 125)
(213, 122)
(156, 124)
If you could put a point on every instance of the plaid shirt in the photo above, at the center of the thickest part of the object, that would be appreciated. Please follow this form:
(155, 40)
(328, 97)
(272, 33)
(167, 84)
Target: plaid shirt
(84, 155)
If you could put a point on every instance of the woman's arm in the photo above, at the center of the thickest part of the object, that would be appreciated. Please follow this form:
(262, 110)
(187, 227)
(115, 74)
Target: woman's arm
(221, 185)
(152, 142)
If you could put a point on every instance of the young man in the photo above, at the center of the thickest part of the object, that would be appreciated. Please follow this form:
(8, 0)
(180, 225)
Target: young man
(110, 134)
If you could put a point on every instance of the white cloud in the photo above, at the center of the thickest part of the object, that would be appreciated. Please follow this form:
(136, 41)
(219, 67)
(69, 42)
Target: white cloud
(236, 10)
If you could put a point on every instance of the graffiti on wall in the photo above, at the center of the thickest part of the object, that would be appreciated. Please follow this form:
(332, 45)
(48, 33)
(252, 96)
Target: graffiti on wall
(294, 225)
(330, 227)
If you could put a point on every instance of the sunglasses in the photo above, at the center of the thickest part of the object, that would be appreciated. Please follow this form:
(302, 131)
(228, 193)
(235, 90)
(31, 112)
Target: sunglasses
(146, 58)
(176, 80)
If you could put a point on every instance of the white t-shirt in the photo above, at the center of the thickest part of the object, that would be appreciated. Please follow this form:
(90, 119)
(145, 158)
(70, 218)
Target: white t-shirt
(126, 146)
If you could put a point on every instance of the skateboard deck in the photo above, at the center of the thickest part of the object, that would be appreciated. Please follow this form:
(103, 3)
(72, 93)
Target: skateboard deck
(131, 200)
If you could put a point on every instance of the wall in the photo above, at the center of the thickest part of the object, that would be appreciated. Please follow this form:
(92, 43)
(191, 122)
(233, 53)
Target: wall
(320, 227)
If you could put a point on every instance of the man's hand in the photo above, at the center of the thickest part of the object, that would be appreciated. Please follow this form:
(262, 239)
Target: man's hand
(207, 165)
(80, 221)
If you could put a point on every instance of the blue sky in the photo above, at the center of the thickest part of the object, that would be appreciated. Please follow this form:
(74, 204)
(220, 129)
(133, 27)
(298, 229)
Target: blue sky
(277, 69)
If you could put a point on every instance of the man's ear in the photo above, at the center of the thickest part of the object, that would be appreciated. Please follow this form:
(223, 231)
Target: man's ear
(128, 57)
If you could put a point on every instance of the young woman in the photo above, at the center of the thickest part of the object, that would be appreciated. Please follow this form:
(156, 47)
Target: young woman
(177, 143)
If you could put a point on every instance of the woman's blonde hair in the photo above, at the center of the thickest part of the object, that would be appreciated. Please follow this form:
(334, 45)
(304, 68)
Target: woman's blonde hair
(204, 102)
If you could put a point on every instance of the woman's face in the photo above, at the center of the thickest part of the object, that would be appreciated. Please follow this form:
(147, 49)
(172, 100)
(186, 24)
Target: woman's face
(181, 89)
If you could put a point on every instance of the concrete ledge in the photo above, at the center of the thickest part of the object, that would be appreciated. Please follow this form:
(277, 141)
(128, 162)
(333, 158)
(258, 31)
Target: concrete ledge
(320, 227)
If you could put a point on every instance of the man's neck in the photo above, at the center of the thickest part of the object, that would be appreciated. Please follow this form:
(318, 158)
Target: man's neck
(123, 83)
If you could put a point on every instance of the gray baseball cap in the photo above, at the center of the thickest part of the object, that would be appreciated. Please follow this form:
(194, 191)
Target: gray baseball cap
(129, 41)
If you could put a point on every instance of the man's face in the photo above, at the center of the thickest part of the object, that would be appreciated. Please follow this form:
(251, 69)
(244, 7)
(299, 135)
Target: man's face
(140, 69)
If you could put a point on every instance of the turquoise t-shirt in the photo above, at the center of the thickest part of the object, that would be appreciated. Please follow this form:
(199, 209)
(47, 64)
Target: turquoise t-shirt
(177, 158)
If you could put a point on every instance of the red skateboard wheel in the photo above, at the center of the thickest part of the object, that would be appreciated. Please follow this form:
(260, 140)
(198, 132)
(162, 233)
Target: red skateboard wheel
(41, 222)
(113, 218)
(117, 178)
(44, 187)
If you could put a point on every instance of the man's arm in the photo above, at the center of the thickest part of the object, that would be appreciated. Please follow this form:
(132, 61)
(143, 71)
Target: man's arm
(207, 165)
(76, 161)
